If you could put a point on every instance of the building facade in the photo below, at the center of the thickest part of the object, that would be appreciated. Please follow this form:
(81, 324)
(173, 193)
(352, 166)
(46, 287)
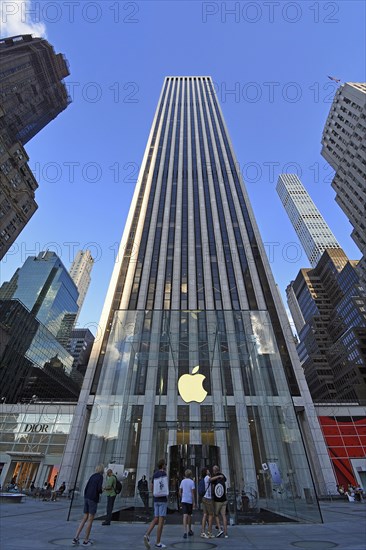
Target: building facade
(33, 440)
(312, 230)
(332, 329)
(79, 346)
(32, 93)
(344, 147)
(33, 364)
(344, 430)
(197, 362)
(80, 273)
(45, 287)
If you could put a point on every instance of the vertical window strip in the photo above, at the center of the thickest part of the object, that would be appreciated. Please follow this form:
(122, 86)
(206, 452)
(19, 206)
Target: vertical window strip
(160, 217)
(184, 240)
(173, 210)
(236, 229)
(197, 218)
(220, 210)
(145, 232)
(216, 286)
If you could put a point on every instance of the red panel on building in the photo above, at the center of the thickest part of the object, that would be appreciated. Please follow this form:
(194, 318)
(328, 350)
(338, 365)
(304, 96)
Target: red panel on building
(345, 438)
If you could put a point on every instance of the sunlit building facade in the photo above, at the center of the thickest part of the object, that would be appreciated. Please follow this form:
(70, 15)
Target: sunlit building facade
(80, 271)
(33, 437)
(312, 230)
(45, 287)
(196, 361)
(32, 94)
(344, 147)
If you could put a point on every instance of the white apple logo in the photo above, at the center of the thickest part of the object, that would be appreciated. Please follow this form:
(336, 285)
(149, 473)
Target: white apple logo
(190, 386)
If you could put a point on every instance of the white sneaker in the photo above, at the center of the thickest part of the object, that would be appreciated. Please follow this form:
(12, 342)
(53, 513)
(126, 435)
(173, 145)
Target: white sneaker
(204, 536)
(147, 541)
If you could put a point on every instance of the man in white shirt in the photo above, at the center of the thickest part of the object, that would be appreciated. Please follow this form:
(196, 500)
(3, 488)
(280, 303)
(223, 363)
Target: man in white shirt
(187, 492)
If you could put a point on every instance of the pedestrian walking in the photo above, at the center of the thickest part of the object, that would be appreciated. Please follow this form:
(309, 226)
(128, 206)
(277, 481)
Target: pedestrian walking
(93, 489)
(160, 490)
(187, 491)
(110, 491)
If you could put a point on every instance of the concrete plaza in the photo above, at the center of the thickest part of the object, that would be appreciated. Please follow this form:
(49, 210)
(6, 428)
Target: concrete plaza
(38, 525)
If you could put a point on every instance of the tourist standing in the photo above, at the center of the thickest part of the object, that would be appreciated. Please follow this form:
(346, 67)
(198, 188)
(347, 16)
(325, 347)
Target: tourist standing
(218, 481)
(187, 493)
(110, 491)
(207, 505)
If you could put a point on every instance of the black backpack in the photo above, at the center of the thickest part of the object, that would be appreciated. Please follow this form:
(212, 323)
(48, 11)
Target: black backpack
(118, 487)
(202, 487)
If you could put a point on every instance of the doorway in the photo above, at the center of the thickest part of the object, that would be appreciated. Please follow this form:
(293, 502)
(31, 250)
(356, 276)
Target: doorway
(192, 457)
(23, 472)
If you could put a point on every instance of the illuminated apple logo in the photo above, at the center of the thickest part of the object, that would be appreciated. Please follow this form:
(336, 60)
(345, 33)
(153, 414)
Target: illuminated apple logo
(190, 386)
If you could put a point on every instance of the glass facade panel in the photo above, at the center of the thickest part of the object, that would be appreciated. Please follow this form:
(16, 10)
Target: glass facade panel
(211, 411)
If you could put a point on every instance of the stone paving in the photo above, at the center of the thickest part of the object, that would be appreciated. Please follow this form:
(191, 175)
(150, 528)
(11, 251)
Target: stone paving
(38, 525)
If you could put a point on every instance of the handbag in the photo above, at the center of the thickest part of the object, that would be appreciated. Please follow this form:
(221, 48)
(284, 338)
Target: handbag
(161, 488)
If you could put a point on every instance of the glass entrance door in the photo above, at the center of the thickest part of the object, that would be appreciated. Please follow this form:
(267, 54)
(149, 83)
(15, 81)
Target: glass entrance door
(24, 473)
(192, 457)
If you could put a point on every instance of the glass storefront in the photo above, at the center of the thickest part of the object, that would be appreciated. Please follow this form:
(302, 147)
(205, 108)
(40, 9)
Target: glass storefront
(33, 439)
(199, 388)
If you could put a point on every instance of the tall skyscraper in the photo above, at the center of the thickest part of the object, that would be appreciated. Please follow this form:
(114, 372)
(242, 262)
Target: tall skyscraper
(344, 147)
(45, 287)
(38, 308)
(32, 88)
(33, 363)
(196, 361)
(80, 273)
(331, 328)
(310, 226)
(80, 346)
(32, 93)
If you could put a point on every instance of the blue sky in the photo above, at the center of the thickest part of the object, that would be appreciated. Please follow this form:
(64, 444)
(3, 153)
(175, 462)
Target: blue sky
(270, 62)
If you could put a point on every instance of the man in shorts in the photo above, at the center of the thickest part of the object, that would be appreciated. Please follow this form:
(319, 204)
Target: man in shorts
(160, 509)
(207, 506)
(93, 489)
(187, 492)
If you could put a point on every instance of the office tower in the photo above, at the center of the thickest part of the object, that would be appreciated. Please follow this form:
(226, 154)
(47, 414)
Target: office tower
(33, 364)
(44, 286)
(310, 226)
(79, 346)
(32, 90)
(80, 273)
(32, 93)
(344, 147)
(332, 330)
(196, 361)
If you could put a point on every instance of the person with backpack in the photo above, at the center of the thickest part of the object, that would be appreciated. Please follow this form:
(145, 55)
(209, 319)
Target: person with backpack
(204, 491)
(160, 490)
(110, 491)
(218, 481)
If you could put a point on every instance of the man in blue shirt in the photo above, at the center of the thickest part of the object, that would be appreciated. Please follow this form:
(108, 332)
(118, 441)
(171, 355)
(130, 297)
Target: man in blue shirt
(93, 489)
